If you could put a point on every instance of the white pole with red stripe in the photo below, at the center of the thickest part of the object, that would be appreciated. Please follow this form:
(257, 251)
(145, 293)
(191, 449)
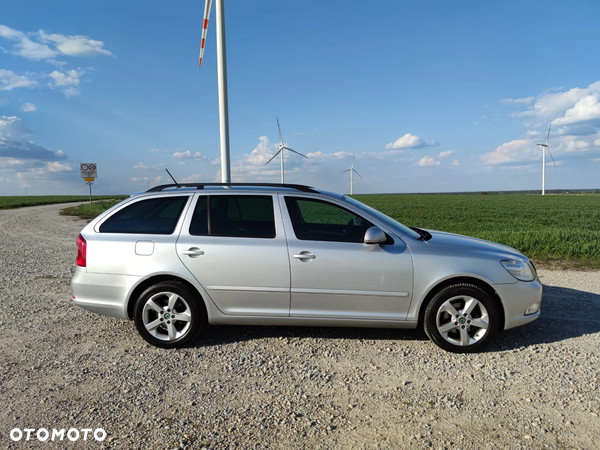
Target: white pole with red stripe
(222, 82)
(207, 6)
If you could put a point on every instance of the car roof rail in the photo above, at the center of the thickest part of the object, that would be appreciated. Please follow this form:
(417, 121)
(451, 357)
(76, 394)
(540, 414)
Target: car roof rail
(299, 187)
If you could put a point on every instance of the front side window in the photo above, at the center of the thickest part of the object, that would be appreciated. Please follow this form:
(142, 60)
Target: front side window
(152, 216)
(249, 216)
(316, 220)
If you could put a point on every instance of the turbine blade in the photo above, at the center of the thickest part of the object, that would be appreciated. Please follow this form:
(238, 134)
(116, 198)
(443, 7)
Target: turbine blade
(207, 6)
(356, 172)
(297, 153)
(347, 170)
(548, 137)
(274, 156)
(280, 136)
(551, 157)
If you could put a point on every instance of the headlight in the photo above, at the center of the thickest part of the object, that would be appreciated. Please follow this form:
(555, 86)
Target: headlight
(521, 270)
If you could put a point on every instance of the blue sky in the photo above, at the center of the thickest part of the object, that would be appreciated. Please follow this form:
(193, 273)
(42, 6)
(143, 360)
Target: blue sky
(428, 96)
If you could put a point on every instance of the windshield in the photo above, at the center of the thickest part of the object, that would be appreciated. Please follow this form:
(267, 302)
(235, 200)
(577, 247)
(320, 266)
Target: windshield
(387, 221)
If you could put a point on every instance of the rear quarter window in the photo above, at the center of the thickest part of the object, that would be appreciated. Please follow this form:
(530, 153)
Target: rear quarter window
(152, 216)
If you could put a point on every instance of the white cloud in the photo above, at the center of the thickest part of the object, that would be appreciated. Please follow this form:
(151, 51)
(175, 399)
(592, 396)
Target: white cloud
(70, 78)
(75, 45)
(154, 150)
(517, 101)
(515, 150)
(587, 108)
(69, 92)
(410, 141)
(9, 33)
(554, 106)
(527, 150)
(446, 153)
(11, 127)
(189, 155)
(263, 152)
(428, 161)
(58, 167)
(47, 46)
(597, 142)
(455, 163)
(33, 50)
(28, 107)
(142, 166)
(574, 145)
(10, 80)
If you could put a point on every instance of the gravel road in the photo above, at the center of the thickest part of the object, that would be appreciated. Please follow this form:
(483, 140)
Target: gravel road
(291, 388)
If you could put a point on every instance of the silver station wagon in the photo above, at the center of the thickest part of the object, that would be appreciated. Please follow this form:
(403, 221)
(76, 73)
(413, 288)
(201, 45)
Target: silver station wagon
(180, 257)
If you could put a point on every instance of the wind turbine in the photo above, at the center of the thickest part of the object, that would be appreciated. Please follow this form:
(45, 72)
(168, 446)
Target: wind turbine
(351, 169)
(222, 82)
(544, 148)
(281, 149)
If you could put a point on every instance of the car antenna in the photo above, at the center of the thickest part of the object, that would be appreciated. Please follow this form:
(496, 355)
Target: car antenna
(171, 176)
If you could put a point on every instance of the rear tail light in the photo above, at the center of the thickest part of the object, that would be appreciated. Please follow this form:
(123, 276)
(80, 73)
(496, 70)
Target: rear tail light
(81, 251)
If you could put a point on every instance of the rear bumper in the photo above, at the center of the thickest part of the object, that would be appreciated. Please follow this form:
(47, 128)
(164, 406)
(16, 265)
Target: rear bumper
(516, 298)
(104, 294)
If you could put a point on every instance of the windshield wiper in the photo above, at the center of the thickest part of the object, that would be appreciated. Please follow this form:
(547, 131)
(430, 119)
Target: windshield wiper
(425, 235)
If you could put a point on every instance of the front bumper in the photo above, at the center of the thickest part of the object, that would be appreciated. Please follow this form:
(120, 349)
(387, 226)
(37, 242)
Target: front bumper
(516, 298)
(104, 294)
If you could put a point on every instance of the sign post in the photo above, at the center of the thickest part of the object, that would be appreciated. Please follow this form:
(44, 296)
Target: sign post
(89, 174)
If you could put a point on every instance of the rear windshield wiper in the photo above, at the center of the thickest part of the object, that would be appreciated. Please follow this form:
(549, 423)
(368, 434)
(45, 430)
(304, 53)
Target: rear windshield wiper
(425, 235)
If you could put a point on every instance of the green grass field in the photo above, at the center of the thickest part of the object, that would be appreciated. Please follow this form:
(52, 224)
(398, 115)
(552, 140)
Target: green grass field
(549, 228)
(33, 200)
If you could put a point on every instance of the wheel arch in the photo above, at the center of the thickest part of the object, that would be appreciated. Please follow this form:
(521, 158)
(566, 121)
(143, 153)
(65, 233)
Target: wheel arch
(145, 284)
(484, 286)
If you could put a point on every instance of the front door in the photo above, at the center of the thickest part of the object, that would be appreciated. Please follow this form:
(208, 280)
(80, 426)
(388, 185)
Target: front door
(334, 274)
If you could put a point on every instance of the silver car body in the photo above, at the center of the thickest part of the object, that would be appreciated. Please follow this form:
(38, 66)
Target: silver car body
(278, 282)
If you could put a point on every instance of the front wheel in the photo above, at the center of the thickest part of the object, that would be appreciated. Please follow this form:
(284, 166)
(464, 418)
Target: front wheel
(461, 318)
(168, 315)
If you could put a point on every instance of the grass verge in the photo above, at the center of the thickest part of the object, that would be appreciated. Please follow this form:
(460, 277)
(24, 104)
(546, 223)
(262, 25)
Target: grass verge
(87, 211)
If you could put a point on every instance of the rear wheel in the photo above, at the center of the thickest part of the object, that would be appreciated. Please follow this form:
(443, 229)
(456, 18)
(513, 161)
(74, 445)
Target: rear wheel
(461, 318)
(168, 315)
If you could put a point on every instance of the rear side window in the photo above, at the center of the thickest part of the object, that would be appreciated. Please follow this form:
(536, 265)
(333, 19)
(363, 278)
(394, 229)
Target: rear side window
(152, 216)
(234, 216)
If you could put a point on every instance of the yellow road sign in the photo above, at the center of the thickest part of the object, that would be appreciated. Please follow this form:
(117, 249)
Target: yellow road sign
(88, 179)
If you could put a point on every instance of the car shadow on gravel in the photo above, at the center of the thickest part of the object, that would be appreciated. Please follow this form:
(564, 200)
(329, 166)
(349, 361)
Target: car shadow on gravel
(219, 335)
(566, 313)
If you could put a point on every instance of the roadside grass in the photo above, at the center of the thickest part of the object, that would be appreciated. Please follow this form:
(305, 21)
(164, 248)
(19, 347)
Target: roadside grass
(10, 202)
(555, 231)
(87, 211)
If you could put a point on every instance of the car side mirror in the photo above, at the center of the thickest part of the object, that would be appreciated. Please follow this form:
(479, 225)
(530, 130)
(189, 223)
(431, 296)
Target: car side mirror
(375, 235)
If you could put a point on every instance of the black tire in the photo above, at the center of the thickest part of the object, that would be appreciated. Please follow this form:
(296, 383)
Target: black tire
(461, 318)
(168, 315)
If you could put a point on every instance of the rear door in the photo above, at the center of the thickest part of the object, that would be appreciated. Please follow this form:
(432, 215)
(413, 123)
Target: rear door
(334, 274)
(234, 245)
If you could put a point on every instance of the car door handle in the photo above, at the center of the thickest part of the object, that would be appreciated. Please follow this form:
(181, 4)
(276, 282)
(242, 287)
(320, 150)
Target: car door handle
(193, 252)
(305, 256)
